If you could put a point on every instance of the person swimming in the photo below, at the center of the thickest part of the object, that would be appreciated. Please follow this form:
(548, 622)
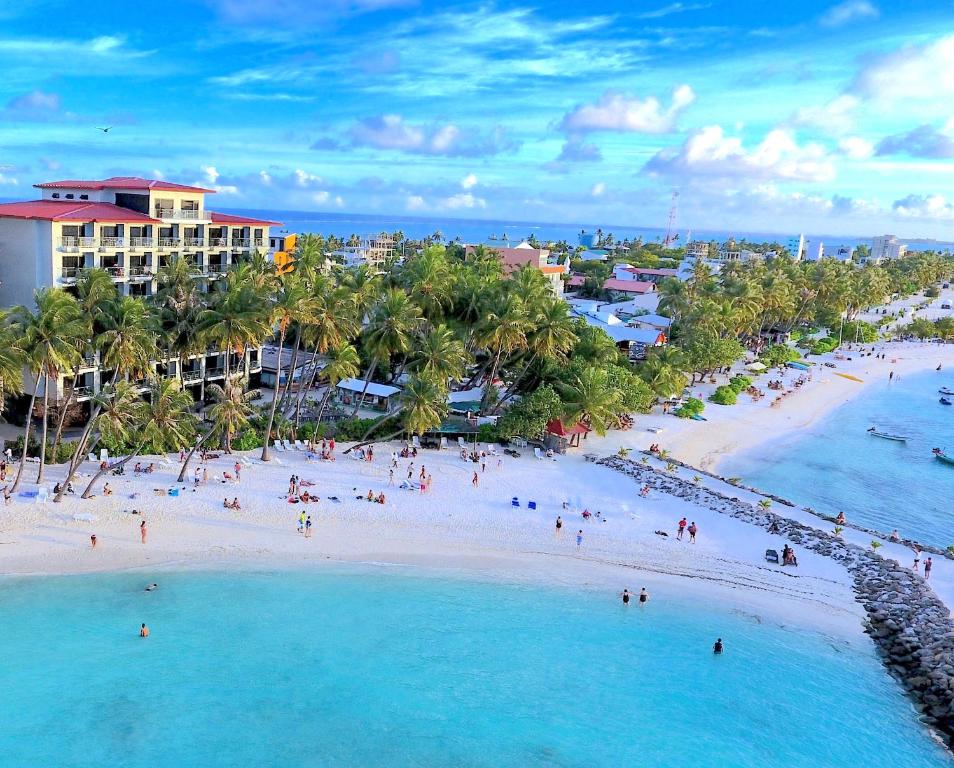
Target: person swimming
(144, 631)
(643, 595)
(717, 647)
(625, 597)
(152, 587)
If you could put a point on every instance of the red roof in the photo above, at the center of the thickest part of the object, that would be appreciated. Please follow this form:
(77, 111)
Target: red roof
(71, 210)
(576, 280)
(122, 182)
(628, 286)
(556, 427)
(659, 272)
(228, 218)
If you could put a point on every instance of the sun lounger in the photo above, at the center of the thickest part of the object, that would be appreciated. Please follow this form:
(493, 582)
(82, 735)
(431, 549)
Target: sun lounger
(443, 443)
(246, 461)
(92, 457)
(415, 441)
(460, 442)
(655, 430)
(515, 502)
(299, 445)
(84, 517)
(537, 453)
(42, 494)
(27, 494)
(103, 454)
(277, 445)
(771, 556)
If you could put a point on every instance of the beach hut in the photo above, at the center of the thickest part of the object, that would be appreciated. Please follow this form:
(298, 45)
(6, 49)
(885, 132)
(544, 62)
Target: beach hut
(377, 397)
(558, 437)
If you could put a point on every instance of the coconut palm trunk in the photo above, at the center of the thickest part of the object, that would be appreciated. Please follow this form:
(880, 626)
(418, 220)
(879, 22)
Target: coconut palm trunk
(46, 426)
(367, 380)
(26, 433)
(188, 458)
(89, 488)
(61, 422)
(278, 381)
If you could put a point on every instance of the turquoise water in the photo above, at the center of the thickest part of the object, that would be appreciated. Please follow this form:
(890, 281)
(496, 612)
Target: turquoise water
(384, 669)
(836, 466)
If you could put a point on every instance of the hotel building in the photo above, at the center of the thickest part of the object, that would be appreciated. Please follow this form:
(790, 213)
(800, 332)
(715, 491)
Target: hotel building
(131, 227)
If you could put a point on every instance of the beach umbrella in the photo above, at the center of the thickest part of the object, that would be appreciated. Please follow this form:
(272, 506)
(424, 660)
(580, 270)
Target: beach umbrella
(756, 366)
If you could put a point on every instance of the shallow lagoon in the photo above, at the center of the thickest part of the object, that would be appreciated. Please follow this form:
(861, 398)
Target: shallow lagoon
(379, 668)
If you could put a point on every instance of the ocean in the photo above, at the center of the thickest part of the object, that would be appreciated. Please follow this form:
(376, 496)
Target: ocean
(378, 667)
(835, 465)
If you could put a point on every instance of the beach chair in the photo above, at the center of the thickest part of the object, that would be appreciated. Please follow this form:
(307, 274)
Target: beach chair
(460, 442)
(771, 556)
(443, 443)
(277, 445)
(537, 453)
(103, 454)
(246, 461)
(515, 502)
(42, 495)
(299, 445)
(531, 505)
(415, 441)
(92, 457)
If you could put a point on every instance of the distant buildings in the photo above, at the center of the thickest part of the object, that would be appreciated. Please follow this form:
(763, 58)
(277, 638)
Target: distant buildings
(697, 250)
(796, 247)
(281, 251)
(539, 258)
(370, 250)
(886, 248)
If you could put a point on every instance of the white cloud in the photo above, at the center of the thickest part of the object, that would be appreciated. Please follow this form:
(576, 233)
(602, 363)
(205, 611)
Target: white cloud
(913, 72)
(924, 207)
(709, 152)
(415, 203)
(211, 177)
(617, 111)
(393, 132)
(266, 177)
(837, 116)
(469, 181)
(463, 200)
(304, 179)
(598, 189)
(321, 197)
(847, 12)
(211, 174)
(8, 180)
(339, 201)
(856, 147)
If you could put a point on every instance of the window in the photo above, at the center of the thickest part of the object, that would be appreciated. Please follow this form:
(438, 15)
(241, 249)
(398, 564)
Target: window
(56, 195)
(69, 195)
(84, 197)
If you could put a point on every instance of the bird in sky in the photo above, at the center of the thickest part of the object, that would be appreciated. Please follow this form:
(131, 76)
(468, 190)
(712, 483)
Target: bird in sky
(105, 130)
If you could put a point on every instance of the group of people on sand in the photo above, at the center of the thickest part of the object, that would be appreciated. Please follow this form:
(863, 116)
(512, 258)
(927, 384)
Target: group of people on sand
(57, 487)
(379, 499)
(788, 556)
(233, 504)
(304, 524)
(691, 528)
(149, 469)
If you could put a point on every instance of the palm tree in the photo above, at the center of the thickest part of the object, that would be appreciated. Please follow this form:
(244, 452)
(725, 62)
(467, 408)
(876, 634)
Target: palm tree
(230, 409)
(423, 402)
(440, 354)
(12, 361)
(180, 302)
(94, 290)
(235, 320)
(590, 398)
(503, 332)
(392, 322)
(663, 371)
(162, 421)
(344, 364)
(291, 304)
(48, 338)
(429, 279)
(127, 346)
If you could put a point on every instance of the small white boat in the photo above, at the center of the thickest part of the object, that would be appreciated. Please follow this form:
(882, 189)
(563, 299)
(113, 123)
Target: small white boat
(946, 391)
(886, 435)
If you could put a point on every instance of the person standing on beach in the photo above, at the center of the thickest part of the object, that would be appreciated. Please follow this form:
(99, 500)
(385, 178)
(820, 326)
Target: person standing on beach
(682, 528)
(331, 445)
(928, 564)
(917, 557)
(579, 538)
(891, 376)
(92, 541)
(238, 472)
(559, 525)
(423, 473)
(308, 527)
(390, 477)
(692, 532)
(301, 522)
(143, 531)
(475, 481)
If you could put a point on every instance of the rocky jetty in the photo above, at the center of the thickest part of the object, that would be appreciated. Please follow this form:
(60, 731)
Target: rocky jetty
(912, 629)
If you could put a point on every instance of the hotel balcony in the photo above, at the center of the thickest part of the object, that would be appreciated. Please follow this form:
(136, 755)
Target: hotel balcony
(73, 244)
(218, 270)
(175, 213)
(218, 242)
(215, 373)
(193, 242)
(82, 393)
(258, 242)
(71, 274)
(117, 273)
(89, 361)
(169, 242)
(141, 242)
(191, 377)
(140, 274)
(111, 242)
(240, 244)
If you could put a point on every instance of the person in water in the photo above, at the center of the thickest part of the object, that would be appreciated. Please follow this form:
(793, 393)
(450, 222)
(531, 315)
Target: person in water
(152, 587)
(717, 647)
(144, 631)
(625, 597)
(643, 596)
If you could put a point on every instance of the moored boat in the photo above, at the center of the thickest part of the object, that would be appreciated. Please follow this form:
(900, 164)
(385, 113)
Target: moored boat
(945, 401)
(886, 435)
(941, 456)
(946, 391)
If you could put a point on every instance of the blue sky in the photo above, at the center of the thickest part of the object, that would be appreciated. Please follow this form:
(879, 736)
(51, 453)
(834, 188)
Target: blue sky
(817, 116)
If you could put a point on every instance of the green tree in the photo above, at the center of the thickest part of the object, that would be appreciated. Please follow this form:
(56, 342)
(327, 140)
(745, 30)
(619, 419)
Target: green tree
(591, 398)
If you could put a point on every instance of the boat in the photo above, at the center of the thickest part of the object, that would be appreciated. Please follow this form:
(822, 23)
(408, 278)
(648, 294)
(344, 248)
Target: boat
(886, 435)
(945, 401)
(850, 377)
(797, 366)
(946, 391)
(941, 456)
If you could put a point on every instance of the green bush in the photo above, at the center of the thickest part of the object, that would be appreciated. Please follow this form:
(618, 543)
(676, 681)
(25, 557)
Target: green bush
(355, 429)
(724, 395)
(821, 346)
(779, 354)
(487, 433)
(247, 441)
(740, 383)
(307, 430)
(692, 407)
